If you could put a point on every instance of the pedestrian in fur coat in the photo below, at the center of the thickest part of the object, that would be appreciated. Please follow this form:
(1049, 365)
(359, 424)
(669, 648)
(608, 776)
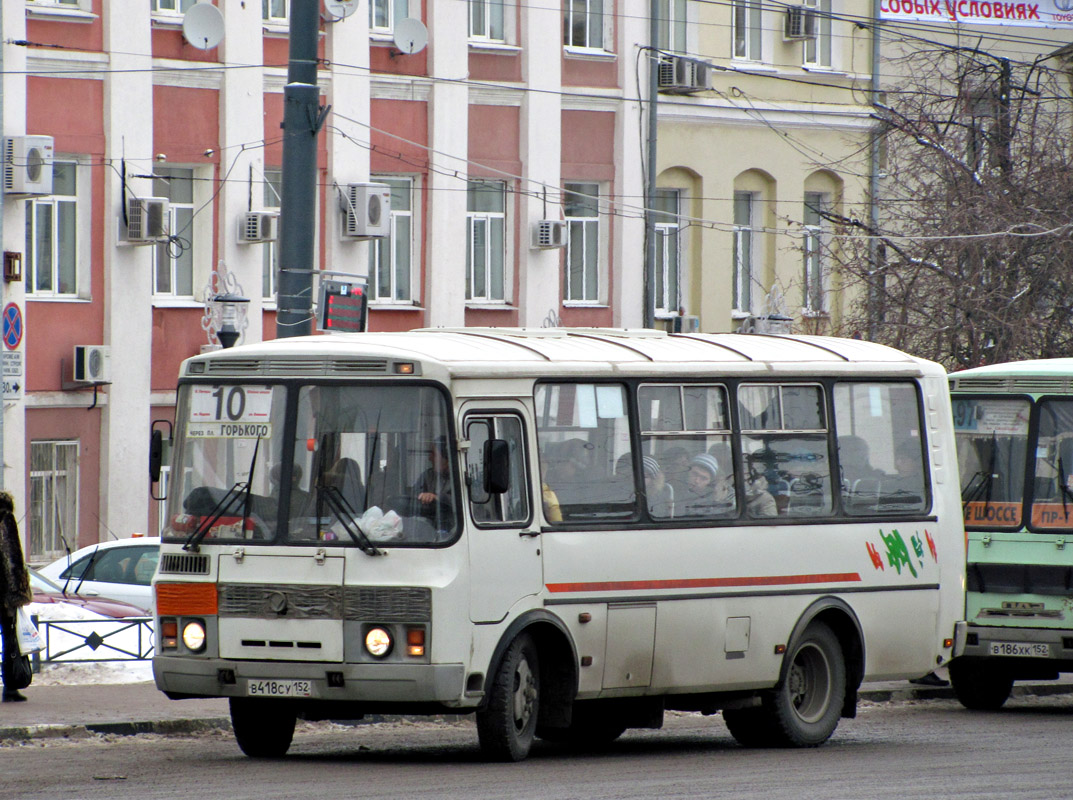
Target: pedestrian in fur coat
(14, 588)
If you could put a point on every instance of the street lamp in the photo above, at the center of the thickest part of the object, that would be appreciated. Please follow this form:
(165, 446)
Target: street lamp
(229, 312)
(224, 320)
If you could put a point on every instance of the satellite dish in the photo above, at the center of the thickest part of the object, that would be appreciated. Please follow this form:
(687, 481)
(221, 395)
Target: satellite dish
(203, 26)
(339, 9)
(410, 36)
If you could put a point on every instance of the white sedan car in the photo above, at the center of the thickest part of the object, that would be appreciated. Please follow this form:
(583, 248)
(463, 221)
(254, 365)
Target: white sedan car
(121, 570)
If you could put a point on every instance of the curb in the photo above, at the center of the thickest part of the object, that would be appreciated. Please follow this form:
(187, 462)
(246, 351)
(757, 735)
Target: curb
(164, 727)
(180, 727)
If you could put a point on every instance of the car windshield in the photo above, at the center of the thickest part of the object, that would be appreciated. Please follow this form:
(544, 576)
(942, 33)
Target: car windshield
(39, 583)
(367, 465)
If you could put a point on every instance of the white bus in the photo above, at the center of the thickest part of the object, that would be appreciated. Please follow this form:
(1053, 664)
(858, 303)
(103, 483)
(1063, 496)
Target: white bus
(565, 532)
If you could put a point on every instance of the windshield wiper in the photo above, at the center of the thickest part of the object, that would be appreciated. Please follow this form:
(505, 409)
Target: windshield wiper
(1066, 493)
(222, 505)
(345, 514)
(85, 571)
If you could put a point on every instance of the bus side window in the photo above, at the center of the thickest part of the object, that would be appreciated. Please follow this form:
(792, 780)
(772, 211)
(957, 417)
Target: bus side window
(496, 508)
(784, 439)
(880, 448)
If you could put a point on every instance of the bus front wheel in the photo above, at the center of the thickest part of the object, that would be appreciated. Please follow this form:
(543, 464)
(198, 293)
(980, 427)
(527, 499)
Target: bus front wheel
(980, 685)
(262, 728)
(507, 725)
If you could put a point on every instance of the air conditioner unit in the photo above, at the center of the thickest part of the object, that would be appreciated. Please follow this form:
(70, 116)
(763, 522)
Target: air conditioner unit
(28, 165)
(147, 220)
(679, 75)
(800, 24)
(258, 226)
(92, 364)
(549, 233)
(366, 211)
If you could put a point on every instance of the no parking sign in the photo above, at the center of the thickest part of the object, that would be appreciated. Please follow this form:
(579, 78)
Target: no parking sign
(12, 326)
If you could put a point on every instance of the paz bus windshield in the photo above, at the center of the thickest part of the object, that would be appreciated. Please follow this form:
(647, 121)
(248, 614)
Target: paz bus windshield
(318, 463)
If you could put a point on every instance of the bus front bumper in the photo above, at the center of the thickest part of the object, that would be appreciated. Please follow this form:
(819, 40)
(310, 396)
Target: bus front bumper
(983, 641)
(182, 676)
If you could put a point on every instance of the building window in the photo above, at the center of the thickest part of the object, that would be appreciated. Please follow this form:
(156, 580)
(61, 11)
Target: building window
(390, 258)
(486, 20)
(273, 188)
(485, 240)
(582, 208)
(275, 11)
(52, 236)
(747, 30)
(818, 49)
(383, 14)
(815, 279)
(672, 26)
(53, 510)
(744, 241)
(171, 7)
(173, 260)
(668, 270)
(583, 25)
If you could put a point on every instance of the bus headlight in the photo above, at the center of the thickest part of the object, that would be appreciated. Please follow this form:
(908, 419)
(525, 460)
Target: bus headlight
(378, 642)
(194, 636)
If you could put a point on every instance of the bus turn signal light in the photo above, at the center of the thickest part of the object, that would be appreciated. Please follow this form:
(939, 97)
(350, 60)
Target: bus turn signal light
(415, 641)
(186, 599)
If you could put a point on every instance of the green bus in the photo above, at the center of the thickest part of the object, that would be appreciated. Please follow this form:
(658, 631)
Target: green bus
(1014, 430)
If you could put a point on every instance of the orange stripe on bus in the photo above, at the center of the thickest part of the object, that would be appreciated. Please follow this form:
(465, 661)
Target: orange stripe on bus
(706, 583)
(185, 598)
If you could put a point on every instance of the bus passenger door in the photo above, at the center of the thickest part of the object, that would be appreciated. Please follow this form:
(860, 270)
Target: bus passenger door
(504, 548)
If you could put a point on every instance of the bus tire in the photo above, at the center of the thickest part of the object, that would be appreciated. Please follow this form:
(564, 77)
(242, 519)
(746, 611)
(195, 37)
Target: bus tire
(507, 725)
(750, 727)
(262, 728)
(588, 728)
(980, 685)
(804, 709)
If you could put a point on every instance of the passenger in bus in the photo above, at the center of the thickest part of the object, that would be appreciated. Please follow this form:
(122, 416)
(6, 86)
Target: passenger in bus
(345, 475)
(854, 459)
(433, 488)
(907, 484)
(707, 494)
(758, 500)
(552, 510)
(659, 494)
(675, 463)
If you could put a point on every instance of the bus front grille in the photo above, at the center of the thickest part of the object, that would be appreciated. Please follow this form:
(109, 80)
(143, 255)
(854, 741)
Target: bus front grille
(184, 564)
(388, 603)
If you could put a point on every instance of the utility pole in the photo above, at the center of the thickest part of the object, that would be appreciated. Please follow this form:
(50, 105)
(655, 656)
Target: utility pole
(303, 118)
(650, 193)
(875, 140)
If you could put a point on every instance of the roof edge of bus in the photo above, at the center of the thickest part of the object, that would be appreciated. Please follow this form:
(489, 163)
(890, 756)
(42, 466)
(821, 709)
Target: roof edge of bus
(836, 348)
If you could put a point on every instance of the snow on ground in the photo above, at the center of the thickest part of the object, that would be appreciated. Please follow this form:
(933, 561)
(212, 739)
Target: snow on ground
(88, 672)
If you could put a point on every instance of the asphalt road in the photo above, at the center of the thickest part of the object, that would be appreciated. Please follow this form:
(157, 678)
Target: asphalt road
(917, 749)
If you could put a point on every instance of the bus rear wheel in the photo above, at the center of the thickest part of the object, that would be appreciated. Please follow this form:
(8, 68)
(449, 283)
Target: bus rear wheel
(804, 709)
(262, 728)
(980, 685)
(507, 725)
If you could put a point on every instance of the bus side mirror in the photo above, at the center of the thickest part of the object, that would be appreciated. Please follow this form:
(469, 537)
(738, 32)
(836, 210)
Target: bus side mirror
(156, 454)
(496, 466)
